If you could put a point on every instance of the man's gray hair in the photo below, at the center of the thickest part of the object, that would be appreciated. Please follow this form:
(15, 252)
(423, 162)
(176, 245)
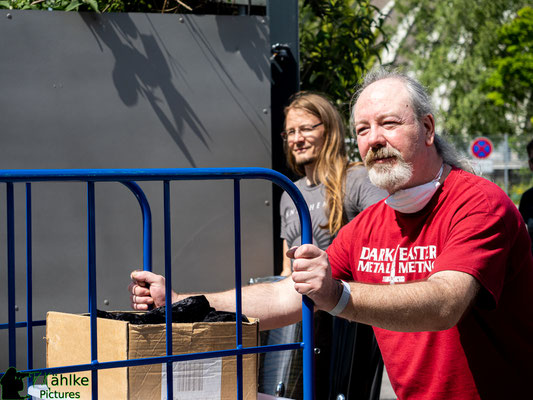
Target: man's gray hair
(450, 156)
(420, 100)
(422, 106)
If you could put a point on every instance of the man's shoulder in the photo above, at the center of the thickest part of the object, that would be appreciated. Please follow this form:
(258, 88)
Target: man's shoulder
(302, 186)
(474, 184)
(299, 183)
(475, 192)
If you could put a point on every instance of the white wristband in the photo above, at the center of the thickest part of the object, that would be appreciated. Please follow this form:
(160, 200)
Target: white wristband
(343, 301)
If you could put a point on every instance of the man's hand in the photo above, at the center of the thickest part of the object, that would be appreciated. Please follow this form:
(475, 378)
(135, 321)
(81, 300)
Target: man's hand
(312, 276)
(146, 289)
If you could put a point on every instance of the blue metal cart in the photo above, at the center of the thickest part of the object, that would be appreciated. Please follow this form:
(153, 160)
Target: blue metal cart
(129, 177)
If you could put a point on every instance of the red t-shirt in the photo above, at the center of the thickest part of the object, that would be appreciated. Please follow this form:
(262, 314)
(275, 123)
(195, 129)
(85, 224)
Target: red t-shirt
(469, 225)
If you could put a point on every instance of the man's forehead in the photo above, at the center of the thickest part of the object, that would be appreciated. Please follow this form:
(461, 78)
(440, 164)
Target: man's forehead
(299, 115)
(386, 96)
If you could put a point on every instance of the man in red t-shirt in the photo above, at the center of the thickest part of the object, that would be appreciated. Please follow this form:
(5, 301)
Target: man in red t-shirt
(441, 269)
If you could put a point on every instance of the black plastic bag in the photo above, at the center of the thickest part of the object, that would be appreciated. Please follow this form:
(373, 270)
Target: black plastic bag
(191, 309)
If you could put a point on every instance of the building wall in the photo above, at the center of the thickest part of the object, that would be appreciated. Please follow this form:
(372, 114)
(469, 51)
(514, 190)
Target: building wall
(86, 90)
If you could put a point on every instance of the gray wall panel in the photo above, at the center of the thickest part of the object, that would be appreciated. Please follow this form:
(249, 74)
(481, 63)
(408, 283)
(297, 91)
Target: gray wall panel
(187, 90)
(133, 91)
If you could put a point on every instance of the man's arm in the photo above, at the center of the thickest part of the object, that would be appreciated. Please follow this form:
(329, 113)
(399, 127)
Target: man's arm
(437, 303)
(432, 305)
(274, 304)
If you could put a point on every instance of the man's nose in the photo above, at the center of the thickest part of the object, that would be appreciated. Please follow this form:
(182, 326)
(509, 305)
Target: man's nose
(375, 137)
(298, 136)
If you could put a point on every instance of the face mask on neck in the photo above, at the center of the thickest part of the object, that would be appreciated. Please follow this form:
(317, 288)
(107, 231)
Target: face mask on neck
(414, 199)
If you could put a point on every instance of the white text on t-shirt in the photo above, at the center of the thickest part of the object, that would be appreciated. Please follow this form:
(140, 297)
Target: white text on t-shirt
(401, 260)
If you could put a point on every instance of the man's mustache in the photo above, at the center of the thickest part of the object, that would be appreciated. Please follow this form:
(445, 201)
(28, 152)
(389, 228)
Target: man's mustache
(383, 152)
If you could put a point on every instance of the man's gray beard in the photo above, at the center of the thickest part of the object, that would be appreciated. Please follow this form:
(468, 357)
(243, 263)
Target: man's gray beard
(385, 176)
(391, 177)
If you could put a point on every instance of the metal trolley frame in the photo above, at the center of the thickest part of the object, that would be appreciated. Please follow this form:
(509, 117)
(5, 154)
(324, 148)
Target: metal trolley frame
(128, 177)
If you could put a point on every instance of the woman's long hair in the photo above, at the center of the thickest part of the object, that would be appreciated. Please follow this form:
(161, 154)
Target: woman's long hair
(332, 161)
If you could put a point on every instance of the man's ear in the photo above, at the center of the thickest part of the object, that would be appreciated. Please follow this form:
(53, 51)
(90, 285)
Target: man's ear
(428, 124)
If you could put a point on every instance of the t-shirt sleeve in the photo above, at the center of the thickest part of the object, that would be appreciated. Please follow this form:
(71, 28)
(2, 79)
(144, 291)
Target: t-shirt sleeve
(479, 245)
(339, 255)
(360, 192)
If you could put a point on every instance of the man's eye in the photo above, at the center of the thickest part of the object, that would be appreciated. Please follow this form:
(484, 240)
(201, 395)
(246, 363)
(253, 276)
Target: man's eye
(290, 132)
(361, 131)
(390, 123)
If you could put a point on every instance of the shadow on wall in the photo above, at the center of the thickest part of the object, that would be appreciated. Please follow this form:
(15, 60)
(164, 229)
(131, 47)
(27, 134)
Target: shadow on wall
(247, 48)
(257, 42)
(142, 72)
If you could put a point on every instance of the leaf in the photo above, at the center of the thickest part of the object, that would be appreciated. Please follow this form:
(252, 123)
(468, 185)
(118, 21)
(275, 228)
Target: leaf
(93, 4)
(74, 5)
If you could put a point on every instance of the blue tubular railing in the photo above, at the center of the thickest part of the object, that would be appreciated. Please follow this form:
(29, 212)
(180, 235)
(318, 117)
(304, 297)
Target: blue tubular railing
(168, 285)
(238, 297)
(127, 177)
(91, 273)
(29, 282)
(147, 223)
(11, 274)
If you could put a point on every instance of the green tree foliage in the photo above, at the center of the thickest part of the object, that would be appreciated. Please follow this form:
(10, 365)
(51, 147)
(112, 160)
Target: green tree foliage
(339, 41)
(453, 47)
(511, 80)
(146, 6)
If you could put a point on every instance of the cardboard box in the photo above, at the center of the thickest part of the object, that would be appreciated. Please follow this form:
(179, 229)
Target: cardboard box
(68, 343)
